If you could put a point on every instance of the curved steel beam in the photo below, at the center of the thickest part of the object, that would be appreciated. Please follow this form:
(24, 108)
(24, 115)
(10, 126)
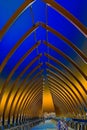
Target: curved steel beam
(70, 88)
(20, 61)
(68, 16)
(58, 77)
(35, 110)
(23, 89)
(30, 91)
(35, 99)
(66, 57)
(54, 80)
(66, 77)
(35, 95)
(16, 15)
(15, 83)
(21, 110)
(31, 95)
(28, 99)
(30, 106)
(22, 102)
(63, 91)
(52, 88)
(17, 45)
(36, 106)
(62, 102)
(32, 80)
(58, 103)
(33, 107)
(63, 87)
(60, 96)
(69, 71)
(68, 42)
(51, 72)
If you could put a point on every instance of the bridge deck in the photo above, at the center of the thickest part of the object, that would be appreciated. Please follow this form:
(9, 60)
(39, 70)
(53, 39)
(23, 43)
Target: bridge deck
(47, 125)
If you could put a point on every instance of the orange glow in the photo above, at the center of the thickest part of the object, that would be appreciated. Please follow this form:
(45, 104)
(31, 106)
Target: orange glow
(48, 105)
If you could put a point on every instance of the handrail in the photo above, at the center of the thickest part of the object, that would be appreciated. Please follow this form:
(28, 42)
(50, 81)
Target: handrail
(80, 120)
(29, 124)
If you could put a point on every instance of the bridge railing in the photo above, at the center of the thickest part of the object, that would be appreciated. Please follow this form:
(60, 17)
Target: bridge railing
(78, 124)
(23, 126)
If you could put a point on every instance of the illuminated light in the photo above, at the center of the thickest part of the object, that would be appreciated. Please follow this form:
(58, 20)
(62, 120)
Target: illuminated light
(15, 101)
(48, 105)
(7, 108)
(3, 102)
(27, 97)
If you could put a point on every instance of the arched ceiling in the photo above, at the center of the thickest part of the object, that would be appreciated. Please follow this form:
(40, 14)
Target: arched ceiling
(43, 43)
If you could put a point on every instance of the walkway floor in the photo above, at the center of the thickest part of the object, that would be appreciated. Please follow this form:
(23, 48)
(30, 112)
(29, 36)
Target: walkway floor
(48, 125)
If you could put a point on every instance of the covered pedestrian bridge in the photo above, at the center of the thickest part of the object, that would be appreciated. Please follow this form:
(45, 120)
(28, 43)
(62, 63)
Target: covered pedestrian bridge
(43, 62)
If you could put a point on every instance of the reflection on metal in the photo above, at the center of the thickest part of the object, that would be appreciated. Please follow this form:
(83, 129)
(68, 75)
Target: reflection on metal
(62, 98)
(39, 86)
(70, 95)
(24, 92)
(16, 94)
(66, 57)
(24, 98)
(58, 62)
(32, 95)
(22, 88)
(62, 95)
(17, 45)
(58, 88)
(57, 77)
(15, 83)
(67, 78)
(47, 98)
(68, 16)
(57, 103)
(36, 99)
(72, 45)
(15, 16)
